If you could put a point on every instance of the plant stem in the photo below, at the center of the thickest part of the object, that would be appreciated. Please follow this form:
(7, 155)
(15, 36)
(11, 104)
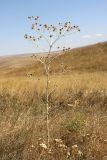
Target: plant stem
(47, 110)
(47, 96)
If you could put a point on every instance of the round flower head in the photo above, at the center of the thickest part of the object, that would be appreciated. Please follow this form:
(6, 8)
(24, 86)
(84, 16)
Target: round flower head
(51, 36)
(45, 25)
(26, 36)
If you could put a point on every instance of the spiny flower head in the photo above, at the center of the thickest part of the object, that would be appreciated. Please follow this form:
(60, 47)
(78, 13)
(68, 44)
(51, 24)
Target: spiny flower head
(33, 17)
(50, 35)
(25, 36)
(29, 37)
(45, 25)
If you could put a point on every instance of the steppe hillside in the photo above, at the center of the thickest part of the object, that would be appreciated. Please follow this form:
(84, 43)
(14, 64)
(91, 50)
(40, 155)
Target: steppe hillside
(78, 106)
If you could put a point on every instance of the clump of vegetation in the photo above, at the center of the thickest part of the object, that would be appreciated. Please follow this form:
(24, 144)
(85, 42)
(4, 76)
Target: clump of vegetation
(76, 124)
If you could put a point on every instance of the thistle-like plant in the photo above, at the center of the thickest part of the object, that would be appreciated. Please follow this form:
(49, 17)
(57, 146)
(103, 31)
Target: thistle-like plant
(51, 34)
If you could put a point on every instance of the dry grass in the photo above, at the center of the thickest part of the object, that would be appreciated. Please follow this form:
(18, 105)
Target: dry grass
(78, 115)
(76, 81)
(78, 106)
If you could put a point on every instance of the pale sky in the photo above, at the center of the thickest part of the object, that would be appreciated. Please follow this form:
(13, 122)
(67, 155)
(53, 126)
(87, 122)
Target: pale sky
(90, 15)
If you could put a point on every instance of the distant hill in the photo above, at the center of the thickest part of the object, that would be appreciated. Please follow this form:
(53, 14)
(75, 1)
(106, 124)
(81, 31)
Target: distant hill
(84, 59)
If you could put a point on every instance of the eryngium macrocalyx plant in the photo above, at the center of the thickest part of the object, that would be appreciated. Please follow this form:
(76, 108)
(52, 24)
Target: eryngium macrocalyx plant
(51, 34)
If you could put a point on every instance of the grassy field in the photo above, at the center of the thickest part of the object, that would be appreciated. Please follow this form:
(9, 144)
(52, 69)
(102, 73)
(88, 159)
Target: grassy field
(78, 107)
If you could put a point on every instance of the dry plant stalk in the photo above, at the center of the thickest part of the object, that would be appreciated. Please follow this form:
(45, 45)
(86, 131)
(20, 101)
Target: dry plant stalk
(51, 34)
